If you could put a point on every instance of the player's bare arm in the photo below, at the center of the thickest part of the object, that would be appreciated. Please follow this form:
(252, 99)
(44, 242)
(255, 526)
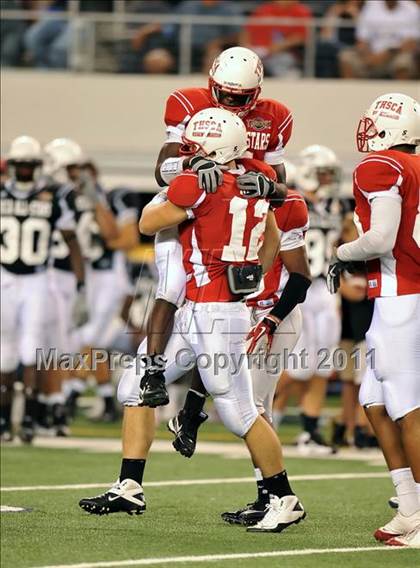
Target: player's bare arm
(127, 238)
(76, 257)
(270, 247)
(297, 264)
(156, 217)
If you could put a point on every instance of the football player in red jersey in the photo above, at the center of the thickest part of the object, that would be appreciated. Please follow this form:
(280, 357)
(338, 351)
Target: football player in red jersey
(386, 187)
(228, 236)
(234, 84)
(277, 325)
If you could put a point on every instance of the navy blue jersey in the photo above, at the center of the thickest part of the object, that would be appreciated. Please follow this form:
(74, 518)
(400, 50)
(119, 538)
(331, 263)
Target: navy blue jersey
(28, 219)
(325, 226)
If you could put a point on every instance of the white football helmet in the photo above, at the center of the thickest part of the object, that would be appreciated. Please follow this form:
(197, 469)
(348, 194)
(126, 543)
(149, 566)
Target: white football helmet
(216, 133)
(314, 162)
(237, 73)
(24, 161)
(392, 119)
(60, 154)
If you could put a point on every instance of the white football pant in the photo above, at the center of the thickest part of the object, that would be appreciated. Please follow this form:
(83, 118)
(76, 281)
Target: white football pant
(321, 329)
(24, 308)
(62, 295)
(266, 376)
(393, 341)
(105, 292)
(211, 336)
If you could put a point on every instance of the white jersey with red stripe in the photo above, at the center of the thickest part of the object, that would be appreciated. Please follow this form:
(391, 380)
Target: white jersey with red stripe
(293, 222)
(394, 174)
(225, 229)
(269, 124)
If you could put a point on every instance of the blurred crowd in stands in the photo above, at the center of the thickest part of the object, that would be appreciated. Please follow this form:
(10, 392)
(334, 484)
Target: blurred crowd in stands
(382, 43)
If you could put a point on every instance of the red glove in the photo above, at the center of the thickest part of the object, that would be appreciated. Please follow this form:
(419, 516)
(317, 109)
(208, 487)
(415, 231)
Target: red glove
(262, 334)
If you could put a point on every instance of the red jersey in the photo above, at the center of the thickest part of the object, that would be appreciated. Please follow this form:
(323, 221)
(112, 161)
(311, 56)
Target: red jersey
(269, 124)
(266, 35)
(397, 175)
(226, 229)
(293, 222)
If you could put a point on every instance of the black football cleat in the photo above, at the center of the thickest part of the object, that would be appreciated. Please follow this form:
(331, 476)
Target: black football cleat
(248, 516)
(27, 431)
(153, 391)
(123, 497)
(185, 429)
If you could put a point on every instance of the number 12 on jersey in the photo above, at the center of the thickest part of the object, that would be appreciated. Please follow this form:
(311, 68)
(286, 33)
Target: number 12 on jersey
(238, 250)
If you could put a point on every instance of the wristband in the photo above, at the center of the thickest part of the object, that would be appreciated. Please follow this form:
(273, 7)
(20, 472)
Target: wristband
(170, 168)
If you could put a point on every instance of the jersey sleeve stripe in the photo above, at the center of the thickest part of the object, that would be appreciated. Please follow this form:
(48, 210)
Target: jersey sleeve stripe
(383, 161)
(181, 102)
(285, 122)
(186, 101)
(380, 156)
(199, 200)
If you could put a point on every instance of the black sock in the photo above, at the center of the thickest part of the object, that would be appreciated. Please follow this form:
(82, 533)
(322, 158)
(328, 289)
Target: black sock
(5, 413)
(31, 410)
(309, 423)
(194, 403)
(109, 404)
(132, 469)
(278, 484)
(262, 494)
(59, 415)
(43, 414)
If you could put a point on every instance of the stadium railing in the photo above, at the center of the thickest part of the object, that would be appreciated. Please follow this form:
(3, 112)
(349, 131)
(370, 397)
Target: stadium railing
(92, 28)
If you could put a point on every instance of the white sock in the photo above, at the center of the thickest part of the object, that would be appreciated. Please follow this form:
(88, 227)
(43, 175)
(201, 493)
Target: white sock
(418, 491)
(106, 390)
(407, 490)
(56, 398)
(277, 418)
(78, 385)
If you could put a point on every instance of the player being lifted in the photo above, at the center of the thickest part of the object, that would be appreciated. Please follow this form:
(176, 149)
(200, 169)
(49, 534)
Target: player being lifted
(235, 84)
(386, 187)
(223, 235)
(31, 208)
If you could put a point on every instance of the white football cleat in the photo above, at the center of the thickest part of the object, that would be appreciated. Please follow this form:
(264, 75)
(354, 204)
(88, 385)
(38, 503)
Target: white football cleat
(281, 513)
(123, 497)
(411, 539)
(397, 526)
(313, 445)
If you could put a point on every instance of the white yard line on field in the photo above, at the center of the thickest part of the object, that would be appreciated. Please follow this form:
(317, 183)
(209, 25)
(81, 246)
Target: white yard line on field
(211, 481)
(214, 557)
(231, 450)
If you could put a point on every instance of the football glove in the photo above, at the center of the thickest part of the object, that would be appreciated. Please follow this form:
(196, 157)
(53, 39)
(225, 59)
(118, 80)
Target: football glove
(255, 185)
(335, 270)
(80, 310)
(210, 174)
(261, 335)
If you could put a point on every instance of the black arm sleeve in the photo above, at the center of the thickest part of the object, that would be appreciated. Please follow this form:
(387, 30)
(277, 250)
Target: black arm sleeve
(294, 293)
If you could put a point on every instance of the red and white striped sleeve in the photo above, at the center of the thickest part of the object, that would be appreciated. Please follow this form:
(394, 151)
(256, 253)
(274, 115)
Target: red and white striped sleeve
(379, 175)
(179, 110)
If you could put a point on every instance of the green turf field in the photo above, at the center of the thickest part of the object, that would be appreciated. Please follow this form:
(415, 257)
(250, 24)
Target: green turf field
(184, 520)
